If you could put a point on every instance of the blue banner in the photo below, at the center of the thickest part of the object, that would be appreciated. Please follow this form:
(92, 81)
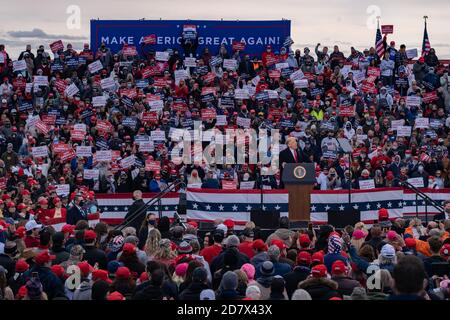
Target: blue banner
(168, 33)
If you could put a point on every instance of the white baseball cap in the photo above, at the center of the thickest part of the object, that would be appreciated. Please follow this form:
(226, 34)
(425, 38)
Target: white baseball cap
(32, 224)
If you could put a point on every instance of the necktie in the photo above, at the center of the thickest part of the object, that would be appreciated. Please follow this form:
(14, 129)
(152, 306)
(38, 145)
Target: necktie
(295, 156)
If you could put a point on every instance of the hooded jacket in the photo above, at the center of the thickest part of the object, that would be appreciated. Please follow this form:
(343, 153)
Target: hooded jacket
(84, 291)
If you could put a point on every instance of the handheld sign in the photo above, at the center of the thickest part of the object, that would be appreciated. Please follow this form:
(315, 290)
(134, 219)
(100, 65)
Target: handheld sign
(387, 29)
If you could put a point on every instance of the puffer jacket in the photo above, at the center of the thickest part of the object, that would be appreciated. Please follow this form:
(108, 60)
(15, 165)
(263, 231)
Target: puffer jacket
(320, 288)
(84, 291)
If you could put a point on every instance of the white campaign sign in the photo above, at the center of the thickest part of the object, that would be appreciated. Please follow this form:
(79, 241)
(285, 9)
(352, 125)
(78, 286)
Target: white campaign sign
(367, 184)
(247, 185)
(297, 75)
(19, 65)
(84, 151)
(417, 182)
(40, 80)
(301, 83)
(107, 83)
(104, 155)
(71, 90)
(99, 101)
(404, 131)
(62, 189)
(243, 122)
(422, 123)
(413, 101)
(127, 162)
(230, 64)
(190, 62)
(162, 56)
(91, 174)
(397, 123)
(95, 66)
(158, 135)
(79, 127)
(39, 151)
(156, 105)
(241, 94)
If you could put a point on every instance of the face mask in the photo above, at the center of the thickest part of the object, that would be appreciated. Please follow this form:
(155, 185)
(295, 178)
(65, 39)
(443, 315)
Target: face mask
(85, 82)
(65, 108)
(151, 222)
(420, 168)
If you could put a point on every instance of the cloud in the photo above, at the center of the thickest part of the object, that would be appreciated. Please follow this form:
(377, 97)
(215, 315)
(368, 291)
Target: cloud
(40, 34)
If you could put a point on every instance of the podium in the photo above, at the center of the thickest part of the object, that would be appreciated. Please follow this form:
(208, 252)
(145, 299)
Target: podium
(299, 180)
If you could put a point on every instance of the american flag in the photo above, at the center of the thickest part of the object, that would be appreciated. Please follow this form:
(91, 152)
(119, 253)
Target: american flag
(426, 46)
(380, 43)
(209, 204)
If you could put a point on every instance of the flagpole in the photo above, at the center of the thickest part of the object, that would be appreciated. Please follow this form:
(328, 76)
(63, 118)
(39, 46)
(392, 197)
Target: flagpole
(378, 21)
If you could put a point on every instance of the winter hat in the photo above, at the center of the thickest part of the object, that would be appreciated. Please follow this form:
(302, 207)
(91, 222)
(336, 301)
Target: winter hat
(267, 269)
(116, 244)
(229, 281)
(180, 270)
(207, 294)
(199, 275)
(358, 234)
(334, 244)
(253, 292)
(301, 294)
(249, 270)
(387, 251)
(184, 248)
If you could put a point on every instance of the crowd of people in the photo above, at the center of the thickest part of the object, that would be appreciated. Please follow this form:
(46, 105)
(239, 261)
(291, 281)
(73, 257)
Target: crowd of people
(78, 123)
(399, 260)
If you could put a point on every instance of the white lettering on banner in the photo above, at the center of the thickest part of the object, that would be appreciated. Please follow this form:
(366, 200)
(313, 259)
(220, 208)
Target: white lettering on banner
(156, 105)
(403, 131)
(99, 101)
(71, 90)
(297, 75)
(366, 184)
(361, 138)
(158, 135)
(162, 56)
(127, 162)
(255, 80)
(272, 94)
(79, 127)
(180, 75)
(221, 120)
(107, 83)
(422, 122)
(28, 87)
(104, 155)
(413, 101)
(282, 65)
(40, 80)
(241, 94)
(243, 122)
(146, 146)
(247, 185)
(62, 189)
(301, 83)
(230, 64)
(95, 66)
(176, 134)
(19, 65)
(397, 123)
(89, 174)
(190, 62)
(84, 151)
(39, 151)
(417, 182)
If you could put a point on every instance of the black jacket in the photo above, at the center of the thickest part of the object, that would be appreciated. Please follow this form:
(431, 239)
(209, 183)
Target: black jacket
(346, 285)
(136, 207)
(51, 284)
(218, 263)
(192, 292)
(320, 288)
(294, 277)
(74, 215)
(8, 264)
(94, 255)
(150, 292)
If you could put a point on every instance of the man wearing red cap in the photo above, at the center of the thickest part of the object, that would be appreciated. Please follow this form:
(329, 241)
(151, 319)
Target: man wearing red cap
(93, 255)
(318, 285)
(339, 274)
(51, 284)
(300, 272)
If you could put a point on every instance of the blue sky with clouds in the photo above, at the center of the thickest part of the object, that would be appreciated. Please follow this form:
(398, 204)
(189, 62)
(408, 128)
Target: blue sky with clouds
(342, 22)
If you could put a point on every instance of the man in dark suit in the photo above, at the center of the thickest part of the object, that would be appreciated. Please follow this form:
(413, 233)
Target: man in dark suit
(76, 212)
(137, 206)
(291, 154)
(444, 215)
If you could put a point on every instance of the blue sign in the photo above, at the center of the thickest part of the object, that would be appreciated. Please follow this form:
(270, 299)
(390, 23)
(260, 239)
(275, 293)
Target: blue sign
(211, 33)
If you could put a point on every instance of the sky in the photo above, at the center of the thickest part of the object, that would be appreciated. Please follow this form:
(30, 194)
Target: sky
(343, 22)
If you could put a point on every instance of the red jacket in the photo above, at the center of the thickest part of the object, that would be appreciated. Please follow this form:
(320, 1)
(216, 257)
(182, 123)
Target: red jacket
(246, 248)
(31, 242)
(209, 253)
(51, 213)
